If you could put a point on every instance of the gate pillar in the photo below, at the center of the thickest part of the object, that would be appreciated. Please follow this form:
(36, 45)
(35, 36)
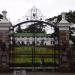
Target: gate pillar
(19, 72)
(4, 42)
(64, 46)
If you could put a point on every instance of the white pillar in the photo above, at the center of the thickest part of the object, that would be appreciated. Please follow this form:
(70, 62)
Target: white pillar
(23, 72)
(14, 72)
(17, 72)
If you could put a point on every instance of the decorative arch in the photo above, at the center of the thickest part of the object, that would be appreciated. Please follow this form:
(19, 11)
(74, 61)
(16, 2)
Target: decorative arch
(35, 21)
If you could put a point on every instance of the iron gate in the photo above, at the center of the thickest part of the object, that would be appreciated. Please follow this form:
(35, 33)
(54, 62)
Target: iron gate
(23, 53)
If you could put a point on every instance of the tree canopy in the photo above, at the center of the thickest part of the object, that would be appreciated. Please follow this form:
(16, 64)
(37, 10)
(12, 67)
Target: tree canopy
(1, 16)
(32, 28)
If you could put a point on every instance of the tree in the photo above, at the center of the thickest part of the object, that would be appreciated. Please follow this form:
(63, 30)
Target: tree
(70, 17)
(1, 16)
(19, 30)
(33, 28)
(72, 30)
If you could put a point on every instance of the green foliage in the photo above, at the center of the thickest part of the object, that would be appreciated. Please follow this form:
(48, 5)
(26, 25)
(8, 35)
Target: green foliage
(70, 16)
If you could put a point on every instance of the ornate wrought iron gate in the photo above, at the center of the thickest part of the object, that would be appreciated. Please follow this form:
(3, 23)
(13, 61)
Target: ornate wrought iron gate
(31, 52)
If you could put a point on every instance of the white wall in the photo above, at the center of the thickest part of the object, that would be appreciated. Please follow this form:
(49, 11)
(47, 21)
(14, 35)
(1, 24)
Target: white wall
(47, 41)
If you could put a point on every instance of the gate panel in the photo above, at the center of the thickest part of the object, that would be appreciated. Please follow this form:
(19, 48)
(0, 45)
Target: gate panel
(34, 50)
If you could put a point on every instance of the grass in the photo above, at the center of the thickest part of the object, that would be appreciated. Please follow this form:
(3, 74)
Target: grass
(36, 60)
(23, 54)
(38, 50)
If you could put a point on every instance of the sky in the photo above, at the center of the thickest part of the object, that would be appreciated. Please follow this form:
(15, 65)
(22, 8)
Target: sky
(18, 8)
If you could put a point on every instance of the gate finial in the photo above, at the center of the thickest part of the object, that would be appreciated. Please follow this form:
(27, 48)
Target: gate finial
(4, 14)
(63, 20)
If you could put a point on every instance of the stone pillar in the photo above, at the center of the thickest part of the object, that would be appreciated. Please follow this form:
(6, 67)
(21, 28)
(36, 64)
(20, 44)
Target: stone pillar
(4, 45)
(64, 43)
(19, 72)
